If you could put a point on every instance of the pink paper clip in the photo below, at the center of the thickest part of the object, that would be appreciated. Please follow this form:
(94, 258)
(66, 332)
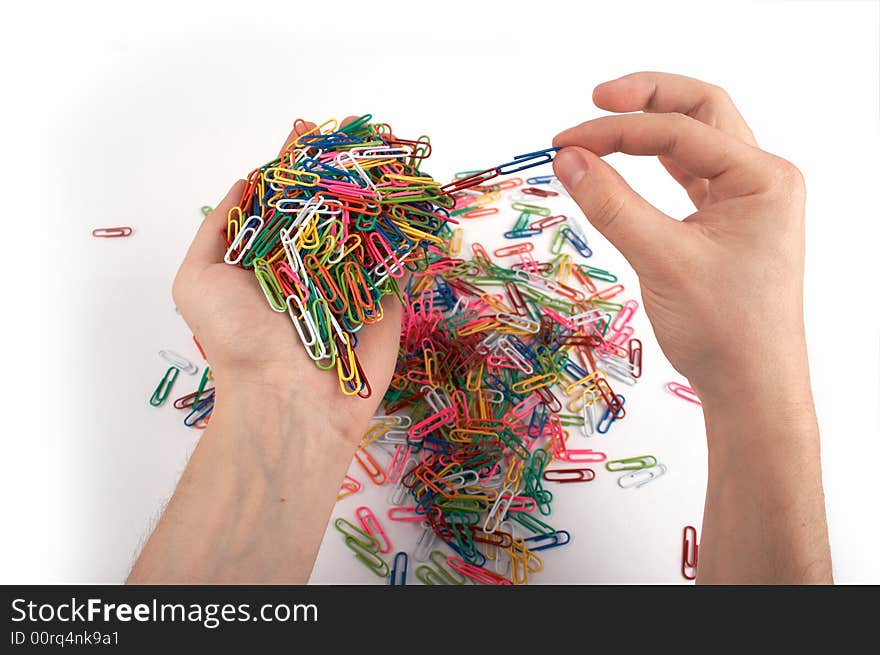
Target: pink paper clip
(349, 486)
(683, 391)
(581, 456)
(476, 573)
(514, 250)
(372, 527)
(405, 514)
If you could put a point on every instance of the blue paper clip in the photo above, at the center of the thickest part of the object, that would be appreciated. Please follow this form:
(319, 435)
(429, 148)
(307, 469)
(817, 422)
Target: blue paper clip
(201, 410)
(522, 234)
(609, 417)
(524, 161)
(579, 244)
(541, 179)
(399, 568)
(558, 538)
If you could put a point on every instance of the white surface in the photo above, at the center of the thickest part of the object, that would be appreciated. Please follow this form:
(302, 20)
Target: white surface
(140, 115)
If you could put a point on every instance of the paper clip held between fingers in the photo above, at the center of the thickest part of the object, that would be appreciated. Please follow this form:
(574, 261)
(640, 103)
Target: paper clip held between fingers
(526, 160)
(398, 570)
(569, 475)
(683, 391)
(641, 477)
(179, 361)
(111, 232)
(165, 384)
(689, 553)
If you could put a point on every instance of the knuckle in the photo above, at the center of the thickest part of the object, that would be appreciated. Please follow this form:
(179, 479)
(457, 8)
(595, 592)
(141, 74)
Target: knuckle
(606, 213)
(787, 176)
(718, 95)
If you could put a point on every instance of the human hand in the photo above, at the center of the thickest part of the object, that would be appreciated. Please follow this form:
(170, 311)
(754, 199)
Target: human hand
(256, 352)
(723, 288)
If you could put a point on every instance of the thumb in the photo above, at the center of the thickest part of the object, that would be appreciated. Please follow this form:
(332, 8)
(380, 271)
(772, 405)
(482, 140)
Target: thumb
(635, 227)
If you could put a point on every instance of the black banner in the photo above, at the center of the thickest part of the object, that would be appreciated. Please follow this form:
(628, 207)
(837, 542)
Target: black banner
(136, 618)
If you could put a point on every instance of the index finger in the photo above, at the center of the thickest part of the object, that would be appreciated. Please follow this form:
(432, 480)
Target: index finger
(731, 166)
(661, 93)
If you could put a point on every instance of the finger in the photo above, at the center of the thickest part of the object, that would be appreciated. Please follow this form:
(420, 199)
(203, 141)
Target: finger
(209, 246)
(732, 167)
(663, 93)
(635, 227)
(300, 127)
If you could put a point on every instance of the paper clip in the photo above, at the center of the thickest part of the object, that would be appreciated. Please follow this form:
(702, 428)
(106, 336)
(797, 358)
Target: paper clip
(349, 486)
(555, 539)
(368, 557)
(641, 477)
(527, 160)
(372, 527)
(398, 570)
(201, 410)
(684, 392)
(165, 384)
(541, 179)
(111, 232)
(635, 357)
(476, 573)
(350, 530)
(631, 463)
(689, 553)
(569, 475)
(424, 543)
(179, 361)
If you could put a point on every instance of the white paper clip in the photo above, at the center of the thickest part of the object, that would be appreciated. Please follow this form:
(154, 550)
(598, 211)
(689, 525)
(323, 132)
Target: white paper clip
(640, 478)
(179, 361)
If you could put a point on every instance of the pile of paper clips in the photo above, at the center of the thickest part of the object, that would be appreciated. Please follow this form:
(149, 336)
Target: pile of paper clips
(331, 225)
(505, 364)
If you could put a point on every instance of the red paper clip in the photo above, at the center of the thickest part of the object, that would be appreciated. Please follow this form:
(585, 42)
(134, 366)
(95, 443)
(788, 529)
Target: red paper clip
(110, 232)
(566, 476)
(689, 552)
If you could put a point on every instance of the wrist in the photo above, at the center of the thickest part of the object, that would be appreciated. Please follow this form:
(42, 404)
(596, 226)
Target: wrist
(275, 422)
(763, 410)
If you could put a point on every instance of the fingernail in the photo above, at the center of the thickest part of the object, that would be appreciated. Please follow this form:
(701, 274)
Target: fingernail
(570, 167)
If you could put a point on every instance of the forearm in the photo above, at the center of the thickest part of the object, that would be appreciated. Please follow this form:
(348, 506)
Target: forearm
(764, 519)
(255, 498)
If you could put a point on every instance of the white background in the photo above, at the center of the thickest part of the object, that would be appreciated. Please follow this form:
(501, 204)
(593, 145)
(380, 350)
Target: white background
(138, 114)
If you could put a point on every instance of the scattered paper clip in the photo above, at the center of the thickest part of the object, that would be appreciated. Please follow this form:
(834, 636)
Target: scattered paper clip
(179, 361)
(641, 477)
(112, 232)
(683, 391)
(689, 553)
